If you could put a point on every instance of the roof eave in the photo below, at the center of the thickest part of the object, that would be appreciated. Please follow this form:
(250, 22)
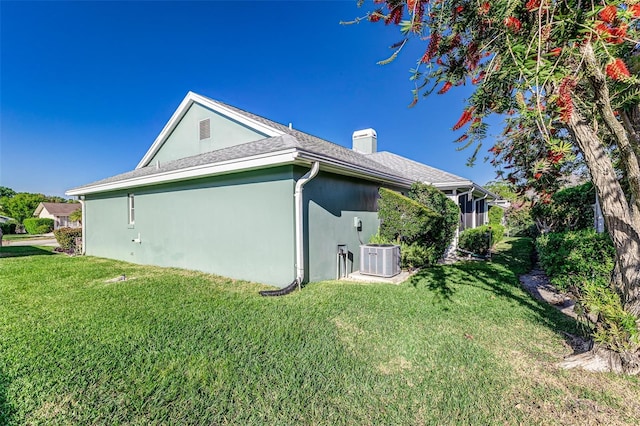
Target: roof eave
(347, 169)
(231, 166)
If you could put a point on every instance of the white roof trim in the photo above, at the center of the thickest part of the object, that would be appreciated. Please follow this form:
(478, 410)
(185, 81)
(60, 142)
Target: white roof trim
(184, 106)
(245, 163)
(348, 169)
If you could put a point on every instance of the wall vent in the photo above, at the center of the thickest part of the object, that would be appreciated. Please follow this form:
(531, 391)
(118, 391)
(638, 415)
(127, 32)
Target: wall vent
(205, 129)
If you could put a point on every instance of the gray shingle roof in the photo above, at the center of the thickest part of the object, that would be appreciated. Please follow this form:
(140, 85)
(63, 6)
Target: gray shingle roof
(309, 144)
(61, 209)
(385, 163)
(416, 171)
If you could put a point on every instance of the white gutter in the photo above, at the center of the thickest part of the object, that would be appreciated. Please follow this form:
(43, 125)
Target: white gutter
(84, 226)
(300, 220)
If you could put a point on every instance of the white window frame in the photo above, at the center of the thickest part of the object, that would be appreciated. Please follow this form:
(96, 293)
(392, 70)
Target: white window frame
(131, 208)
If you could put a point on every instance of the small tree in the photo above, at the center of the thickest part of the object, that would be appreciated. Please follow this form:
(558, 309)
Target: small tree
(76, 216)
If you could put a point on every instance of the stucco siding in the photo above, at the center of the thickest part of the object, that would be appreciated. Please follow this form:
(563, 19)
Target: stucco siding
(239, 226)
(332, 204)
(184, 141)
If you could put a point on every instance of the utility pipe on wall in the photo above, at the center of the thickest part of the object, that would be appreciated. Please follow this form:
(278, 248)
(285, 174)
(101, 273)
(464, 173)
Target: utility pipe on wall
(299, 220)
(83, 224)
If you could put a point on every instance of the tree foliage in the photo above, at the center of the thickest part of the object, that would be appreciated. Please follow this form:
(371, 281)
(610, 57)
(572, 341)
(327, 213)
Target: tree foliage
(570, 209)
(6, 192)
(22, 205)
(565, 74)
(76, 216)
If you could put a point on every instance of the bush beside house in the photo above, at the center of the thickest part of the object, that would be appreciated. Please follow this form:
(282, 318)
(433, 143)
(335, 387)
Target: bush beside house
(480, 240)
(36, 225)
(423, 223)
(66, 238)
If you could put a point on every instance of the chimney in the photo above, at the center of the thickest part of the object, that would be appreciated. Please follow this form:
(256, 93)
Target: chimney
(365, 141)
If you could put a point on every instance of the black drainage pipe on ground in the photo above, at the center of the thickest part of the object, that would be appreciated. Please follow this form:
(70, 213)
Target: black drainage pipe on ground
(281, 291)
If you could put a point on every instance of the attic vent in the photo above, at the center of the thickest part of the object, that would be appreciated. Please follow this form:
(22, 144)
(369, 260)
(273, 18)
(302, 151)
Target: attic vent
(205, 129)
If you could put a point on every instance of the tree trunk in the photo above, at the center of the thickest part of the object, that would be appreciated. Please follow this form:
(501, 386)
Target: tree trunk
(615, 210)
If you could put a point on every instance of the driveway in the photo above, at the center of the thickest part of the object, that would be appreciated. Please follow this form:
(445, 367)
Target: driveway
(44, 241)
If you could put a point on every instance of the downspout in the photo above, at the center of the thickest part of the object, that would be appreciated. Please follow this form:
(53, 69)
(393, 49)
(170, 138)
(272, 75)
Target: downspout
(299, 219)
(84, 233)
(299, 234)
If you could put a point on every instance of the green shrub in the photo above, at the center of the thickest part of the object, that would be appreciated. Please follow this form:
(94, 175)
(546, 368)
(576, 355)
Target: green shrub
(8, 228)
(495, 215)
(403, 219)
(569, 210)
(416, 255)
(424, 223)
(581, 262)
(444, 228)
(66, 237)
(36, 225)
(480, 240)
(570, 258)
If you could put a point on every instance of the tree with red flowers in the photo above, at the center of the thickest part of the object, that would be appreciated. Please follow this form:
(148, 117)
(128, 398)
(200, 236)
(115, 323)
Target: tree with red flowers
(565, 74)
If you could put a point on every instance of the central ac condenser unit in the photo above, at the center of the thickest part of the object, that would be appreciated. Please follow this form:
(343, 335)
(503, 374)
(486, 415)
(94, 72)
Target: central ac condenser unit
(382, 260)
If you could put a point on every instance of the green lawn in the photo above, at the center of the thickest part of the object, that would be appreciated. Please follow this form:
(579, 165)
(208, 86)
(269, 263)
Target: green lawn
(459, 344)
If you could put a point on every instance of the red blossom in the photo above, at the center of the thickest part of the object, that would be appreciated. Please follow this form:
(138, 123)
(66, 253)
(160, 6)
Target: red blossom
(432, 48)
(537, 176)
(513, 23)
(445, 88)
(608, 14)
(466, 116)
(484, 8)
(617, 70)
(635, 10)
(478, 78)
(556, 51)
(565, 101)
(614, 35)
(376, 15)
(395, 16)
(533, 5)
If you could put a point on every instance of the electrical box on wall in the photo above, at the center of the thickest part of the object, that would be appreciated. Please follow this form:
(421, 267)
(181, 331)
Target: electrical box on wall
(357, 223)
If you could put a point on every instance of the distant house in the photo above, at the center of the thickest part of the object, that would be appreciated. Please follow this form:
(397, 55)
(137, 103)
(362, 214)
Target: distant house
(59, 212)
(225, 191)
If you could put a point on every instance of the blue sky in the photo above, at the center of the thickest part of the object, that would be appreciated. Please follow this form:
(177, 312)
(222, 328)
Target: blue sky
(85, 87)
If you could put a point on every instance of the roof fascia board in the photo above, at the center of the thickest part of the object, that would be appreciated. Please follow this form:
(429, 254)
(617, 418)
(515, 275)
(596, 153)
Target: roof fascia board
(182, 109)
(230, 166)
(348, 169)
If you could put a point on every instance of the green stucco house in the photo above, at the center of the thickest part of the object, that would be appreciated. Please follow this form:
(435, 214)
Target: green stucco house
(228, 192)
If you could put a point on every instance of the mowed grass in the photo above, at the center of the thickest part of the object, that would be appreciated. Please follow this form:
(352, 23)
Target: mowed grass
(457, 344)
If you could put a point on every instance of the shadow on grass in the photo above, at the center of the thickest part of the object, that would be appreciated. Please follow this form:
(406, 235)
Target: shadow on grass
(15, 251)
(500, 276)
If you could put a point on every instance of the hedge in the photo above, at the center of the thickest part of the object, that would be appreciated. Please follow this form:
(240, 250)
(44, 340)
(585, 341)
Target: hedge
(8, 228)
(444, 229)
(66, 237)
(38, 226)
(480, 240)
(423, 223)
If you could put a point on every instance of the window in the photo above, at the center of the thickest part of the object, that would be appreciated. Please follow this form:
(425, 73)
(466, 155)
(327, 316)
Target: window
(132, 216)
(204, 129)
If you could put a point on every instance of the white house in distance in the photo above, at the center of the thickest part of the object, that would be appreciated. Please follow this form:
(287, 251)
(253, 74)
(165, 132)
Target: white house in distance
(59, 212)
